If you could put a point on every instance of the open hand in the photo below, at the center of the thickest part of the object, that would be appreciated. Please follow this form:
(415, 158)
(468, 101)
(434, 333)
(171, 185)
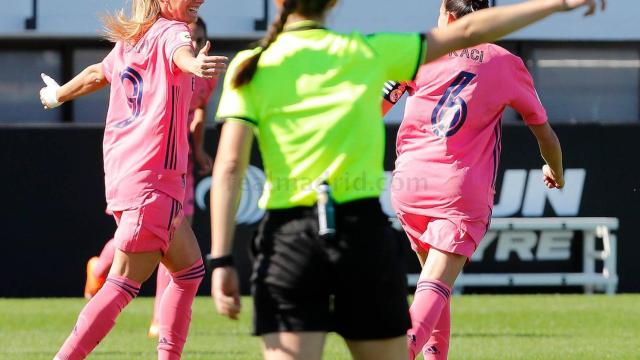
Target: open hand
(590, 4)
(209, 67)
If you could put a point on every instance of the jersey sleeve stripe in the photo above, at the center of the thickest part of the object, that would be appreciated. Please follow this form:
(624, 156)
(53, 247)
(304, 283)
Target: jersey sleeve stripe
(240, 118)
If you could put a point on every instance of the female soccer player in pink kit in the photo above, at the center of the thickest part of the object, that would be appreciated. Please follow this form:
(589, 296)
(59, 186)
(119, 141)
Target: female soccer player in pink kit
(151, 72)
(448, 149)
(98, 266)
(196, 122)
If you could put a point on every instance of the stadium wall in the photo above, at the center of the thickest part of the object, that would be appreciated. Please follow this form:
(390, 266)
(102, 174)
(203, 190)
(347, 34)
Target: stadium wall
(247, 19)
(54, 220)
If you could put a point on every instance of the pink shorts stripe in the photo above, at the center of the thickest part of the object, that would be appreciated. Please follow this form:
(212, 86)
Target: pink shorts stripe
(189, 191)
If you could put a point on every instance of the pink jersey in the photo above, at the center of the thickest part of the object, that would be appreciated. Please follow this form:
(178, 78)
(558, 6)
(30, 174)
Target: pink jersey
(202, 91)
(448, 145)
(145, 141)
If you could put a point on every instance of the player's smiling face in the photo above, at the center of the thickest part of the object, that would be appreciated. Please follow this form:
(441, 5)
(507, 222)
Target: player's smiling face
(181, 10)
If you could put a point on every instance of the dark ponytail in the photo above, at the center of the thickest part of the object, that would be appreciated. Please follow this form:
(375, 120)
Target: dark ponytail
(248, 68)
(310, 8)
(460, 8)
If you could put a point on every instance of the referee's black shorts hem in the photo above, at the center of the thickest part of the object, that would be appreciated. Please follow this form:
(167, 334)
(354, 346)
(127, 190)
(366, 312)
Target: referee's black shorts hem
(353, 284)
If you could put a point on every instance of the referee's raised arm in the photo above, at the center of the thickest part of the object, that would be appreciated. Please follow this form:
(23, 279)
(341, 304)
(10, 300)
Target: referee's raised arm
(491, 24)
(311, 97)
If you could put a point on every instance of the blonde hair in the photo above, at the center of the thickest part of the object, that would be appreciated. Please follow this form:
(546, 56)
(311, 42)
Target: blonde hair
(119, 27)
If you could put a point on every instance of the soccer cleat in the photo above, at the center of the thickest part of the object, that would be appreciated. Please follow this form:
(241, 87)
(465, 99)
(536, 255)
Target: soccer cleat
(93, 283)
(154, 329)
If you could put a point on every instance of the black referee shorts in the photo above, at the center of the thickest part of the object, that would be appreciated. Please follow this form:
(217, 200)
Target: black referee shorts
(353, 284)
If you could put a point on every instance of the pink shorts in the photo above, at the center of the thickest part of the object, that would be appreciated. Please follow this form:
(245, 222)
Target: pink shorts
(149, 227)
(457, 237)
(189, 197)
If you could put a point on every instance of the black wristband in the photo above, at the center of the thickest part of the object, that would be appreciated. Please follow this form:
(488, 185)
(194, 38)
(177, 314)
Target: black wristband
(223, 261)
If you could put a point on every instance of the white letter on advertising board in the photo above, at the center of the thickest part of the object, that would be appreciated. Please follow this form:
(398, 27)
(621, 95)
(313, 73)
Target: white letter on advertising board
(554, 245)
(520, 242)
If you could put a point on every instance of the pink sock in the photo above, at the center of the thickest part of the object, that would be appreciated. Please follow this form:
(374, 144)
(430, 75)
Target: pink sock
(162, 281)
(175, 310)
(105, 260)
(437, 347)
(429, 301)
(98, 317)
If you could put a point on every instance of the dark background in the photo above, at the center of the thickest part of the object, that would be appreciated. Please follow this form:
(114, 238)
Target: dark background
(53, 216)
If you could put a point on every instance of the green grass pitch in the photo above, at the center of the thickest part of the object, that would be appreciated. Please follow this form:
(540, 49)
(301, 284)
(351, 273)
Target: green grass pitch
(484, 327)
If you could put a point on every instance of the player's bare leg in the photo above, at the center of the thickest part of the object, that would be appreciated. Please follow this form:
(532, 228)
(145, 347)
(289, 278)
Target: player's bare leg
(387, 349)
(293, 346)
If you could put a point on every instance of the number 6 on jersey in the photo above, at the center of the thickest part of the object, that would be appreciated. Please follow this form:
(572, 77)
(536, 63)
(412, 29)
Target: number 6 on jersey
(451, 112)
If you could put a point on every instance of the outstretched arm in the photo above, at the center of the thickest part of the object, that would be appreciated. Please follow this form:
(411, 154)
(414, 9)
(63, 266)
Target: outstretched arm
(89, 80)
(491, 24)
(551, 153)
(202, 65)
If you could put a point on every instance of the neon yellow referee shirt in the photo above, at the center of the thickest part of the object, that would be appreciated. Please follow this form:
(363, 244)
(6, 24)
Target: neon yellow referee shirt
(315, 104)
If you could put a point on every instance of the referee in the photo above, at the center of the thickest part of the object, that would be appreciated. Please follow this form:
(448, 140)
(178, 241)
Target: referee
(311, 97)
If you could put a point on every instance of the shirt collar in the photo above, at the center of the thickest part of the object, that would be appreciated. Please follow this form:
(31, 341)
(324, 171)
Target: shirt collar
(304, 25)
